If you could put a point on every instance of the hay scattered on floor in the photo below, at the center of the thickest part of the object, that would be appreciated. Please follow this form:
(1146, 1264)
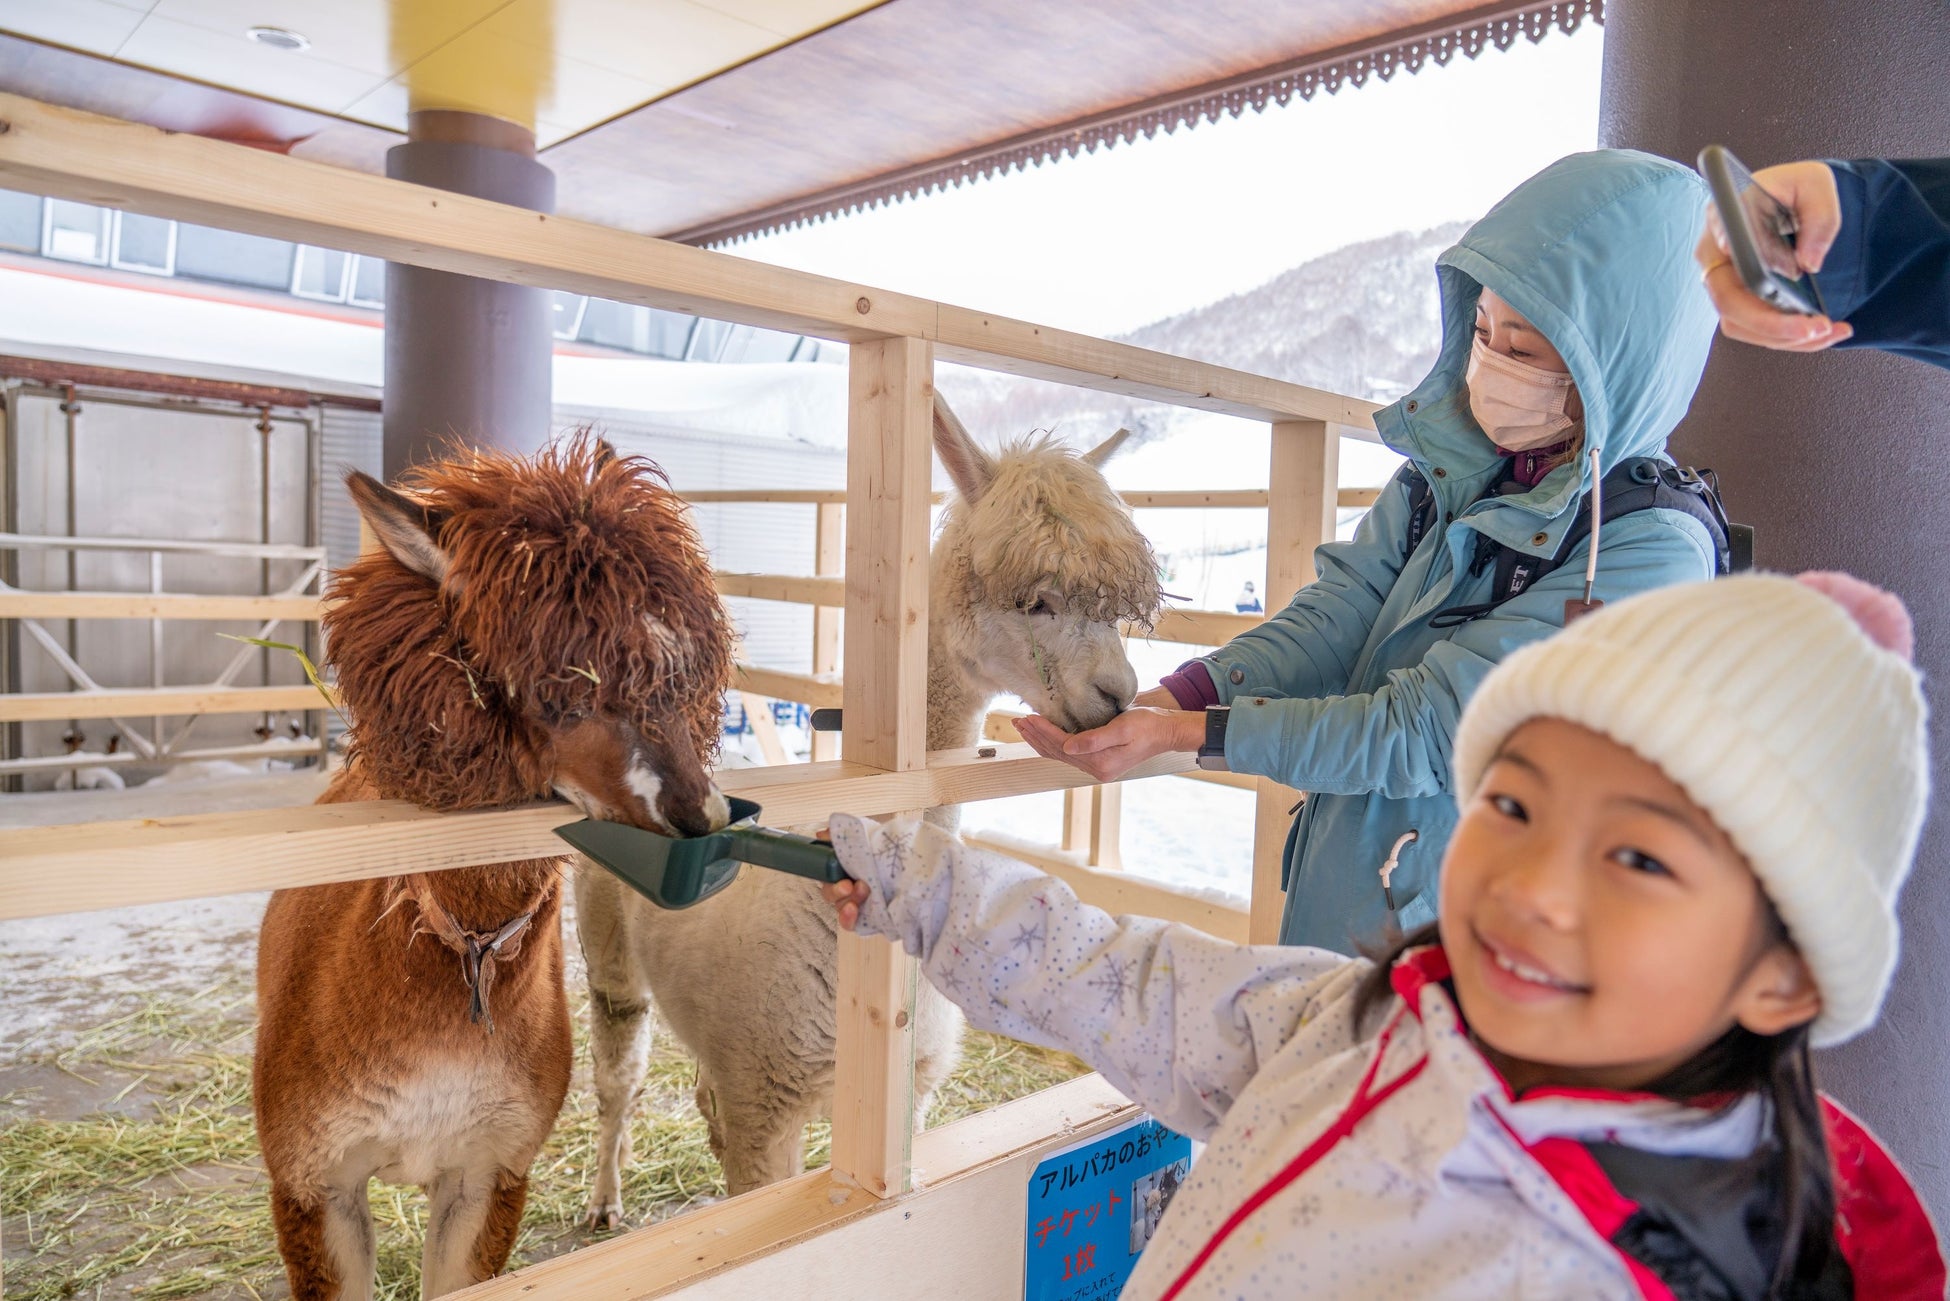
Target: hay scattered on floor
(169, 1200)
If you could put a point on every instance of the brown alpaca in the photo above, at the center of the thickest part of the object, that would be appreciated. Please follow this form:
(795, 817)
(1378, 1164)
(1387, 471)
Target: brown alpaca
(532, 625)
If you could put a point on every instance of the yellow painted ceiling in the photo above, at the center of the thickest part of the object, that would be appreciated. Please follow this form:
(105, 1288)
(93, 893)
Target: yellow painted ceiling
(557, 66)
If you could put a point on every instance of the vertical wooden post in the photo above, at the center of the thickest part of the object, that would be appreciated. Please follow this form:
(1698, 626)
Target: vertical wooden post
(888, 464)
(829, 560)
(1304, 476)
(1106, 844)
(1079, 813)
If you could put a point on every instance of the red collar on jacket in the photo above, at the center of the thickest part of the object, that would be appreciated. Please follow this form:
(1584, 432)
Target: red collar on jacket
(1885, 1233)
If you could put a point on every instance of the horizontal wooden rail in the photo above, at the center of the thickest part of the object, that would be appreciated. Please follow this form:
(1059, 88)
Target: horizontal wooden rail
(1197, 627)
(171, 546)
(1194, 627)
(660, 1259)
(1176, 499)
(1121, 893)
(819, 690)
(254, 750)
(16, 603)
(88, 158)
(784, 587)
(1000, 725)
(156, 702)
(58, 869)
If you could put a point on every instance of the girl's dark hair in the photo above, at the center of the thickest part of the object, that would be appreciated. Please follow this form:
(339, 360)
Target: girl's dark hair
(1777, 1067)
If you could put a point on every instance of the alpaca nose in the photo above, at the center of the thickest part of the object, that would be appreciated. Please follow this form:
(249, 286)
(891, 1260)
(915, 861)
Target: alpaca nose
(1112, 699)
(689, 821)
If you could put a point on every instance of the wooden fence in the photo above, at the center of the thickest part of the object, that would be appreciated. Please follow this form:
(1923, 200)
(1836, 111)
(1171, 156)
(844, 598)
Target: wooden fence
(809, 1236)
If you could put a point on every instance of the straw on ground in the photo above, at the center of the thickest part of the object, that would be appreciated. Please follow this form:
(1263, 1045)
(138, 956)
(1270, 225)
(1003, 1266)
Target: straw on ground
(159, 1191)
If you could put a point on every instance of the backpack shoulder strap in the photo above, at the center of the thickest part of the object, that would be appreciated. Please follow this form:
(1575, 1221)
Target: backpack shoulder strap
(1641, 483)
(1646, 483)
(1421, 506)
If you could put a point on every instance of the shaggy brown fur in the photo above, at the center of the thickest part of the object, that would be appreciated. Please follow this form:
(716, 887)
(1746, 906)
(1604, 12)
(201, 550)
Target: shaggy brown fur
(554, 565)
(532, 624)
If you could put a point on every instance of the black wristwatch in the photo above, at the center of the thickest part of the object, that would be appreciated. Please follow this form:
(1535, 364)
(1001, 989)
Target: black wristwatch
(1212, 755)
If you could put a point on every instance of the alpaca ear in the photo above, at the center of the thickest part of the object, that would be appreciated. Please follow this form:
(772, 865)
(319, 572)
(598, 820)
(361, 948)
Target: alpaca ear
(605, 452)
(1103, 451)
(968, 465)
(403, 526)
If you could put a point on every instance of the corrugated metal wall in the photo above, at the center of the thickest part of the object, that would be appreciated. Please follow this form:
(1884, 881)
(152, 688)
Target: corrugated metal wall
(351, 442)
(154, 468)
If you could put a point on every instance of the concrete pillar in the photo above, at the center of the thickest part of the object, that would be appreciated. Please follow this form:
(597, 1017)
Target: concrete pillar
(466, 355)
(1842, 459)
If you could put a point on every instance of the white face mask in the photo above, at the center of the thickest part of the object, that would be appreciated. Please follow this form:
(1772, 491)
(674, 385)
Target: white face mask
(1518, 405)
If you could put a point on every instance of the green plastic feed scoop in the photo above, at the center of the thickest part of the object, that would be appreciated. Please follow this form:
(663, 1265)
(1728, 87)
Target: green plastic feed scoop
(677, 871)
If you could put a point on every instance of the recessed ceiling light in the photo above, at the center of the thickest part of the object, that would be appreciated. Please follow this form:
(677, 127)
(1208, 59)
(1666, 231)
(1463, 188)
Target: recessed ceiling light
(279, 38)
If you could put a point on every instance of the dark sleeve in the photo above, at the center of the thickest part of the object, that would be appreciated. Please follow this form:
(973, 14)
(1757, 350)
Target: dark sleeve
(1888, 273)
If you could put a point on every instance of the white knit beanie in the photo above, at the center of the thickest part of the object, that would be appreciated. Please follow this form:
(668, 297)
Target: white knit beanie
(1789, 710)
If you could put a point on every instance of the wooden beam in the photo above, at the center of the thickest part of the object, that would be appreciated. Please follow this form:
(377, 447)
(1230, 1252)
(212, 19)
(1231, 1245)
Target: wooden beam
(17, 604)
(1106, 827)
(1304, 474)
(829, 560)
(777, 496)
(1119, 893)
(986, 1157)
(1079, 809)
(156, 702)
(92, 159)
(78, 868)
(1197, 627)
(972, 338)
(889, 461)
(1197, 499)
(784, 587)
(1237, 780)
(1173, 499)
(818, 690)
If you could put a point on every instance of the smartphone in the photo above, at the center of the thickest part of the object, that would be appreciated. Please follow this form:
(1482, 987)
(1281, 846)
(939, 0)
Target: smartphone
(1760, 235)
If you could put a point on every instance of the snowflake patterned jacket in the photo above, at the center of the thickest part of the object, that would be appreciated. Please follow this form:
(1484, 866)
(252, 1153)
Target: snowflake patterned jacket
(1340, 1163)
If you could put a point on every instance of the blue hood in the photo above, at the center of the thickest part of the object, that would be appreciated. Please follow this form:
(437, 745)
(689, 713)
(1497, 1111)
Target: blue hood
(1596, 252)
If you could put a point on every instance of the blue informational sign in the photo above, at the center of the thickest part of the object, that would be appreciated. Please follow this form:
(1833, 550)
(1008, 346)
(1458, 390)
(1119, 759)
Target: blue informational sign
(1093, 1206)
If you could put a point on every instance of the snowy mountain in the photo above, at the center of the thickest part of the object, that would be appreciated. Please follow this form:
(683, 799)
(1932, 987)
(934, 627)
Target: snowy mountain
(1360, 320)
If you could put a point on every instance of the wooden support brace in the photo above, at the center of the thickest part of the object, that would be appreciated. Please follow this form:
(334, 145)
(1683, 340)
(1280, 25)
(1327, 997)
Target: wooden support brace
(1106, 823)
(84, 866)
(783, 587)
(890, 459)
(829, 561)
(68, 154)
(18, 604)
(1304, 476)
(150, 702)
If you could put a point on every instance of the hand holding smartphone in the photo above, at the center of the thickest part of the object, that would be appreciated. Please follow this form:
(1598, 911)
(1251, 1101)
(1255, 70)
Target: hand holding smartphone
(1760, 236)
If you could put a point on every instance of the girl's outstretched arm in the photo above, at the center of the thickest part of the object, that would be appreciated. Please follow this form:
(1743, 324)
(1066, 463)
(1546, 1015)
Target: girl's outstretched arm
(1176, 1019)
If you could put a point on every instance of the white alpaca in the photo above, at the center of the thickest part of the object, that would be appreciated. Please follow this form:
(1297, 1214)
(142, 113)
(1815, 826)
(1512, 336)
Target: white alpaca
(1036, 562)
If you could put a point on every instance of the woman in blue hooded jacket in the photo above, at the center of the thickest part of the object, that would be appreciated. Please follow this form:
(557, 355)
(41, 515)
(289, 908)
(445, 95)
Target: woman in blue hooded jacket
(1574, 333)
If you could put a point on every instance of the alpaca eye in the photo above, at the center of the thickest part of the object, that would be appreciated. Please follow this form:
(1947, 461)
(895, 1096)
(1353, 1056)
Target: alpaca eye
(1039, 606)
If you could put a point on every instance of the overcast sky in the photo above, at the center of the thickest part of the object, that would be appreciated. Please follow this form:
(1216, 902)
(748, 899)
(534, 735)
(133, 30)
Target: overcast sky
(1106, 242)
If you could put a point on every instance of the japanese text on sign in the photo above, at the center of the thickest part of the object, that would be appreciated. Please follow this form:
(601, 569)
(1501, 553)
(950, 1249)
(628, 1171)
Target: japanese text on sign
(1092, 1208)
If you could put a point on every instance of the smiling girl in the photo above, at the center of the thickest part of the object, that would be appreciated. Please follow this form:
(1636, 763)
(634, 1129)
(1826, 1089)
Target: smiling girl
(1684, 822)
